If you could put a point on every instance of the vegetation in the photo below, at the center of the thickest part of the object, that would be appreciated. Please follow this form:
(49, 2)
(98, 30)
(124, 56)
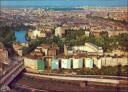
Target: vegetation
(32, 45)
(71, 38)
(105, 70)
(75, 37)
(78, 37)
(7, 35)
(108, 43)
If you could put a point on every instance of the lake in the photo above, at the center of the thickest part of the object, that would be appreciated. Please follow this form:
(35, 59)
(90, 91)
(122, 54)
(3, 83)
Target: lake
(20, 36)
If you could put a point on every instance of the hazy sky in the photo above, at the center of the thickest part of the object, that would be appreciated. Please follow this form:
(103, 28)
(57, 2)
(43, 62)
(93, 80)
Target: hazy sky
(65, 2)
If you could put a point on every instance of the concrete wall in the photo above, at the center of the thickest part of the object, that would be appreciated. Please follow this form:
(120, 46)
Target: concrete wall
(109, 61)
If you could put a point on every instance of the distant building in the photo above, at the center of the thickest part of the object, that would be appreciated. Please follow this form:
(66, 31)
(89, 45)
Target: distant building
(87, 33)
(36, 34)
(116, 33)
(59, 31)
(42, 34)
(87, 27)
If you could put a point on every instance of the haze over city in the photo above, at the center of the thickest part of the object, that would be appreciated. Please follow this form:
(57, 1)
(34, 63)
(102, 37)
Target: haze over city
(65, 3)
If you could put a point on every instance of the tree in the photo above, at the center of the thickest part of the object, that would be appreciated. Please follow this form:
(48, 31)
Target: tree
(123, 41)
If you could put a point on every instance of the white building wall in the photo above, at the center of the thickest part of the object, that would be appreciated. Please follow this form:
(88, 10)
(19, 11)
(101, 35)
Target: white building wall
(89, 63)
(30, 63)
(66, 63)
(99, 63)
(84, 48)
(36, 33)
(109, 61)
(75, 63)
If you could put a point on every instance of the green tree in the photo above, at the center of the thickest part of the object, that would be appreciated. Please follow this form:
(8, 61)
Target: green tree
(123, 41)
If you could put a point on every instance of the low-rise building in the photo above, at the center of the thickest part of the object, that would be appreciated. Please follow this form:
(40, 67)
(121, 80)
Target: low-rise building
(34, 34)
(66, 63)
(52, 52)
(87, 33)
(18, 48)
(33, 64)
(3, 54)
(89, 63)
(77, 63)
(89, 48)
(46, 50)
(55, 64)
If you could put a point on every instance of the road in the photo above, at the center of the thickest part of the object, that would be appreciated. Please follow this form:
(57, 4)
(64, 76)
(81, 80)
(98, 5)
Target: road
(27, 83)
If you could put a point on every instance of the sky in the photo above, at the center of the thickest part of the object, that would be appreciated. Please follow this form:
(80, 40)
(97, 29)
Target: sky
(64, 2)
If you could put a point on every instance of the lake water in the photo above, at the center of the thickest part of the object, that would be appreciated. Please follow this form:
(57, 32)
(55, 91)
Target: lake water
(65, 3)
(20, 36)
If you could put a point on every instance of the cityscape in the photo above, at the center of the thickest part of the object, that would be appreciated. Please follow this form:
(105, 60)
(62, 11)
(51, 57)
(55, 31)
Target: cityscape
(64, 46)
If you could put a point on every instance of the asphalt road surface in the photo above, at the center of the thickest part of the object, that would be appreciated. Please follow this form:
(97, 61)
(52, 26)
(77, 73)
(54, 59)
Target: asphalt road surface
(25, 83)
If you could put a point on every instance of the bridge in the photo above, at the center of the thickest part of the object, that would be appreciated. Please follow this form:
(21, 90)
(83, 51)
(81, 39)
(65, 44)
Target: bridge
(10, 76)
